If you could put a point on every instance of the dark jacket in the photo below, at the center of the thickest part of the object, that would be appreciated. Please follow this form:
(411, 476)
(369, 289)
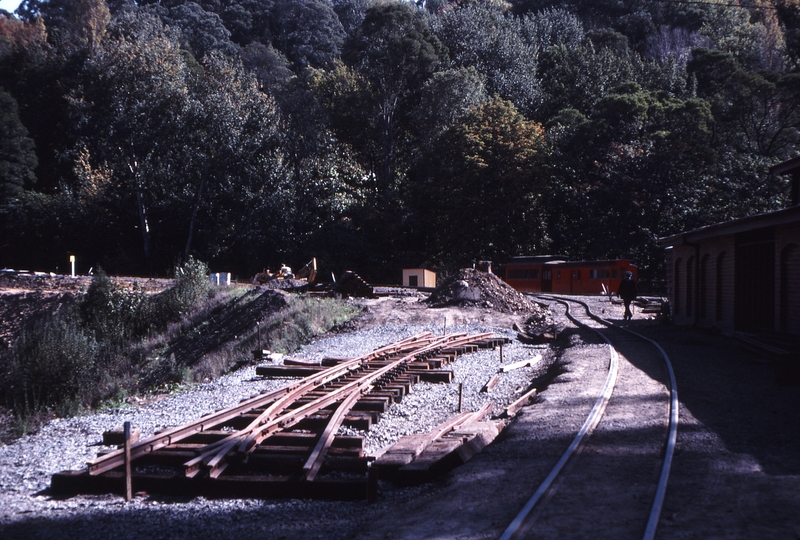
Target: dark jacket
(627, 289)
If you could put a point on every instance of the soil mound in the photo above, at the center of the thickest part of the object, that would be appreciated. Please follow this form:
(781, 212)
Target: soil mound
(470, 287)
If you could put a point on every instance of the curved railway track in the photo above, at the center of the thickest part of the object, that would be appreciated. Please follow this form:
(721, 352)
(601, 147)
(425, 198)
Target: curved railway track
(609, 464)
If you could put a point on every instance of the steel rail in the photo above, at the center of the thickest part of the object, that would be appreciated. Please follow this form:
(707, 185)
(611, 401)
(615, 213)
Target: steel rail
(160, 440)
(591, 422)
(165, 438)
(669, 452)
(215, 460)
(320, 450)
(314, 462)
(672, 436)
(213, 454)
(276, 419)
(256, 435)
(272, 408)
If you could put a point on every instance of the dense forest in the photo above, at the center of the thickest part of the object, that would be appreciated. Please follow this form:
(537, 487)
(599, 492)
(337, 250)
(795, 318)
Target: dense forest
(377, 134)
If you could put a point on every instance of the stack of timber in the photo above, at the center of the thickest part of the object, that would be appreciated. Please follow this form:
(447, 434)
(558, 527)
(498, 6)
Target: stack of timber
(279, 444)
(415, 459)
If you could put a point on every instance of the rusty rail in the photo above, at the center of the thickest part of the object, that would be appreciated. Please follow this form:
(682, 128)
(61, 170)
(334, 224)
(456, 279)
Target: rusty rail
(252, 436)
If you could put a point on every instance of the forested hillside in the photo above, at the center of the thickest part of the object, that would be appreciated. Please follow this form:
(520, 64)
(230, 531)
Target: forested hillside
(377, 134)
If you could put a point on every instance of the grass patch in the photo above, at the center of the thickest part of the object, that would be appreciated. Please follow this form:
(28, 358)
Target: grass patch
(284, 331)
(303, 319)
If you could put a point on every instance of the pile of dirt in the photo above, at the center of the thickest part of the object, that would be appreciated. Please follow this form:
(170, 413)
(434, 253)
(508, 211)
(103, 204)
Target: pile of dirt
(470, 287)
(284, 284)
(227, 324)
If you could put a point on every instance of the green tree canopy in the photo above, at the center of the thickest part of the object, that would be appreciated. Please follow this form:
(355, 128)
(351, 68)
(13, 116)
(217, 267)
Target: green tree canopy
(479, 187)
(17, 155)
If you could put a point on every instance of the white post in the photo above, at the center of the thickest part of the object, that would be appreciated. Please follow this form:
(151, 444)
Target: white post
(72, 263)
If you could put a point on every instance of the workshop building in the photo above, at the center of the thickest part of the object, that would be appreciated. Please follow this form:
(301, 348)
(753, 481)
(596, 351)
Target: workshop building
(742, 275)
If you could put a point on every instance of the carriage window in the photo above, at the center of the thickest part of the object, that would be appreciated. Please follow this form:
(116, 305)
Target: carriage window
(558, 275)
(576, 274)
(614, 273)
(529, 273)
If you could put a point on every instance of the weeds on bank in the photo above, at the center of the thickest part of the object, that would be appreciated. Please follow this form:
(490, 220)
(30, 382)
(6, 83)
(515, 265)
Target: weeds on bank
(74, 358)
(98, 350)
(304, 318)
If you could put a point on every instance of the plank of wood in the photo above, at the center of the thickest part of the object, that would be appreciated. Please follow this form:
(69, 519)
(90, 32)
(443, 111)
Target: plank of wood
(491, 383)
(522, 363)
(292, 361)
(288, 371)
(432, 375)
(514, 407)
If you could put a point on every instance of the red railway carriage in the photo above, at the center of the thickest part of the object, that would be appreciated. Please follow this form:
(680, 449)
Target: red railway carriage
(550, 273)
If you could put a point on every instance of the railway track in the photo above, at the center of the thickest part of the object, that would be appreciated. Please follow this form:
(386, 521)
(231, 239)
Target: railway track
(611, 469)
(283, 443)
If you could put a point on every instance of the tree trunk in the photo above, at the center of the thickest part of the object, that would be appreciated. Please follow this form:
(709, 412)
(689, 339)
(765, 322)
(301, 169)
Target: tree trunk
(142, 210)
(388, 150)
(193, 219)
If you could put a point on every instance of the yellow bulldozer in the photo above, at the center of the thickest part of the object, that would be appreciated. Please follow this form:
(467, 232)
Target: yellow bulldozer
(307, 273)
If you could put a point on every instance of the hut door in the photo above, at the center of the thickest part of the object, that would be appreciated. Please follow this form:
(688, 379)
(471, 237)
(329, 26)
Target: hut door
(547, 280)
(790, 290)
(754, 307)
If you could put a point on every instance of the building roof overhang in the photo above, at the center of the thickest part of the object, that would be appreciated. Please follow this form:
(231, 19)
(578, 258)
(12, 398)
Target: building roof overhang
(787, 166)
(759, 221)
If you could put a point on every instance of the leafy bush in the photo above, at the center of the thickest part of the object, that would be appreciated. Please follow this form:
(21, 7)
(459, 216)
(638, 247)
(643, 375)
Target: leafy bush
(116, 316)
(92, 351)
(52, 366)
(112, 314)
(191, 287)
(78, 356)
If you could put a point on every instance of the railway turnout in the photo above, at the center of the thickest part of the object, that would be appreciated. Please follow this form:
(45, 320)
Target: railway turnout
(283, 443)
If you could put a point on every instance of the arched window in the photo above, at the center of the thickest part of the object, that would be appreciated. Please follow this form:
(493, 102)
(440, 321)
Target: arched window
(720, 285)
(689, 286)
(702, 283)
(676, 308)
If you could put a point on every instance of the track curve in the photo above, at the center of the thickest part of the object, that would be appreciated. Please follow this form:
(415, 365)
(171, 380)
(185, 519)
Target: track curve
(644, 382)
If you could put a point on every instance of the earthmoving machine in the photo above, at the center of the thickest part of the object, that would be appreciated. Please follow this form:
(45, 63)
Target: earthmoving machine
(307, 273)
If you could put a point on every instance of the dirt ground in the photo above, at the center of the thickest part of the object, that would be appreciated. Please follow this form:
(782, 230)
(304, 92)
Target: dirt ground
(24, 295)
(411, 310)
(736, 471)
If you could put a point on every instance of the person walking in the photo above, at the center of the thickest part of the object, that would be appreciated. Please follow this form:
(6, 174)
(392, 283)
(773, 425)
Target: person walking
(627, 291)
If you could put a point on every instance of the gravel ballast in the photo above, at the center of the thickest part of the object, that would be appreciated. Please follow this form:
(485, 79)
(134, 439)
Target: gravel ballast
(27, 464)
